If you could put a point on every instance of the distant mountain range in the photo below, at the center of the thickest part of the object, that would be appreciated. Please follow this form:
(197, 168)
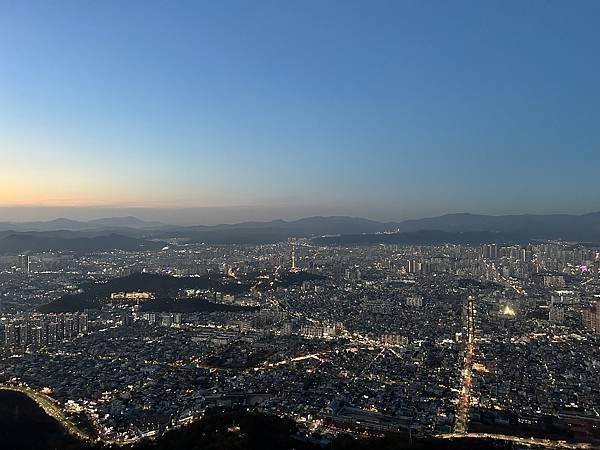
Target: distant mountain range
(130, 233)
(554, 225)
(516, 228)
(75, 225)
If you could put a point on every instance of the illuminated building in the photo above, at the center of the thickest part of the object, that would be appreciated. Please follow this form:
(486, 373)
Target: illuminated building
(489, 251)
(415, 301)
(124, 296)
(23, 263)
(556, 314)
(507, 311)
(591, 317)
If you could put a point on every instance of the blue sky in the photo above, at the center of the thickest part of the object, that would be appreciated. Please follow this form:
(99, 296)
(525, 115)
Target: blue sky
(386, 109)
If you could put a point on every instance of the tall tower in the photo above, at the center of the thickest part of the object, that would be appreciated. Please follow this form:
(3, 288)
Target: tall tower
(294, 268)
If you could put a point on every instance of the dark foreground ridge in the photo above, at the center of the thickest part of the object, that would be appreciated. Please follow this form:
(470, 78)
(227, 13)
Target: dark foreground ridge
(24, 425)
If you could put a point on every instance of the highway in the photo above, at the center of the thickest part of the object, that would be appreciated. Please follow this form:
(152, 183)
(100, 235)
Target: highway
(53, 409)
(531, 441)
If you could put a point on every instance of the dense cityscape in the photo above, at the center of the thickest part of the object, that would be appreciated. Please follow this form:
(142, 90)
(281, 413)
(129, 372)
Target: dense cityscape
(441, 340)
(299, 225)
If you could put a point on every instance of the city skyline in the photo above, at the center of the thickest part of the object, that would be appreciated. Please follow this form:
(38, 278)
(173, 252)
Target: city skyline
(322, 224)
(388, 111)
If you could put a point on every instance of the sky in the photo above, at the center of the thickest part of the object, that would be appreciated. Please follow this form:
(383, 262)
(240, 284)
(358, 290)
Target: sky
(207, 112)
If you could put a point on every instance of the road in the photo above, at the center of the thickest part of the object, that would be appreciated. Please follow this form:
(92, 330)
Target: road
(461, 423)
(547, 443)
(51, 408)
